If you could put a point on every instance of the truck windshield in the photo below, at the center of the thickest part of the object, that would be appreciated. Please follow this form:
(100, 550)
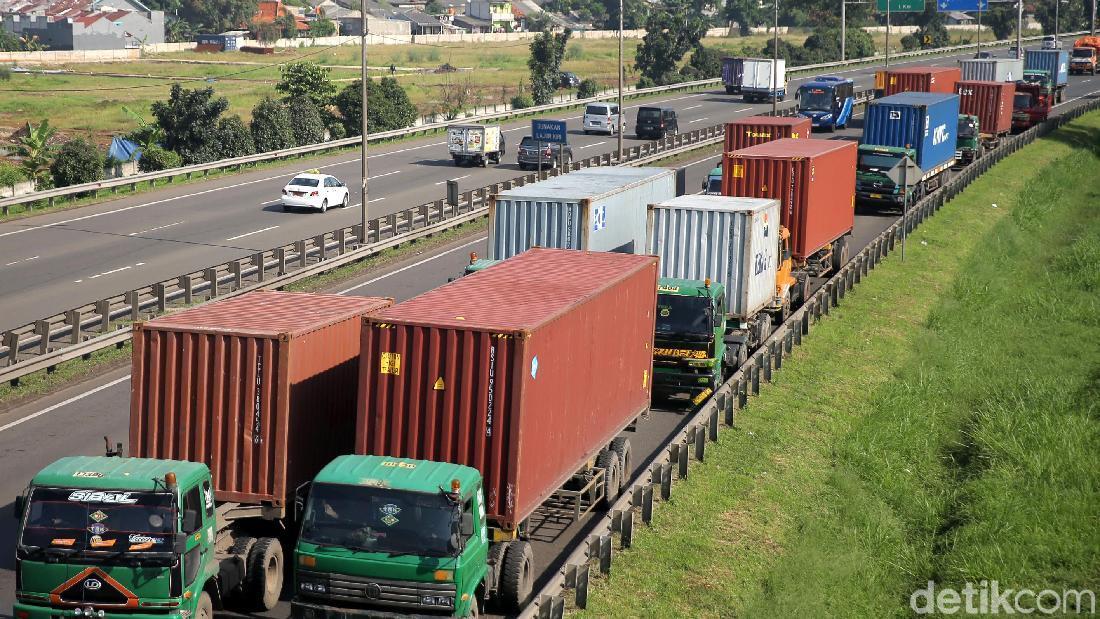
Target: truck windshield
(1084, 52)
(815, 99)
(876, 162)
(99, 520)
(966, 128)
(380, 520)
(714, 185)
(684, 316)
(1021, 101)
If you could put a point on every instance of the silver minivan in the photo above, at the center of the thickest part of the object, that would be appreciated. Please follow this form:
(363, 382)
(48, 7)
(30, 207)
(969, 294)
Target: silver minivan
(603, 118)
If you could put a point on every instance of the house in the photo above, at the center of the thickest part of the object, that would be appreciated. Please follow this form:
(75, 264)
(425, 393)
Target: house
(269, 11)
(421, 23)
(473, 25)
(958, 18)
(497, 12)
(83, 24)
(381, 20)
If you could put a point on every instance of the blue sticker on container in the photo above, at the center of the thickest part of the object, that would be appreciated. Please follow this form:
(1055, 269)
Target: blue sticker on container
(599, 218)
(534, 367)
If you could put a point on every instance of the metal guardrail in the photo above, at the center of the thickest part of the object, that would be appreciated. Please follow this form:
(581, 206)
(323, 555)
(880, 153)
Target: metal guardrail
(205, 168)
(671, 462)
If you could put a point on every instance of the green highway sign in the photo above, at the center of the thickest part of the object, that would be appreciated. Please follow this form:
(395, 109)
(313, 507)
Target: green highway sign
(902, 6)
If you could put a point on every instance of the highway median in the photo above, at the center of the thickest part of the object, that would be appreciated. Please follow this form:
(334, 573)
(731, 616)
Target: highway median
(938, 427)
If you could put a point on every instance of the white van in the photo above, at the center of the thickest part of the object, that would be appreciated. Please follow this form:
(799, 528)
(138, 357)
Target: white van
(603, 118)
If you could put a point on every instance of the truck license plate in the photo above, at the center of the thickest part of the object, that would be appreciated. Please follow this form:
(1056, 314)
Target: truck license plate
(877, 196)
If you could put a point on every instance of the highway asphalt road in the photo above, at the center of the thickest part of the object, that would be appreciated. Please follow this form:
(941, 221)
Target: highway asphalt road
(55, 262)
(74, 420)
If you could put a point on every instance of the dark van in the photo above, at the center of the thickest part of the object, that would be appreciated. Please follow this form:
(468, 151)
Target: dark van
(655, 123)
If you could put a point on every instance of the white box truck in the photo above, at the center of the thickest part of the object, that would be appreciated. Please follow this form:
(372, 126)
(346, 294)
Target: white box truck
(475, 144)
(758, 82)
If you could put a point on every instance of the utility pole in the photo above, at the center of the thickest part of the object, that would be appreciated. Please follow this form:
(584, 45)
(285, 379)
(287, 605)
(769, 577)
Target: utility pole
(363, 144)
(775, 61)
(622, 112)
(979, 28)
(843, 34)
(1092, 24)
(1019, 29)
(1057, 5)
(888, 33)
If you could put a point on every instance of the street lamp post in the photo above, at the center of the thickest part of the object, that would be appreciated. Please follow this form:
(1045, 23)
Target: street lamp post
(775, 61)
(622, 114)
(1057, 5)
(363, 140)
(843, 34)
(1019, 29)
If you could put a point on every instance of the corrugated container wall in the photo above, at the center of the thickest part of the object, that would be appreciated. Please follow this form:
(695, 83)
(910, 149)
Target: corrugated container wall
(733, 73)
(922, 79)
(927, 122)
(523, 371)
(1055, 62)
(260, 388)
(753, 130)
(992, 69)
(734, 241)
(814, 180)
(597, 209)
(991, 102)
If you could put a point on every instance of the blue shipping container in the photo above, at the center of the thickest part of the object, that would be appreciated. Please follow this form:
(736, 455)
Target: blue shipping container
(926, 121)
(1055, 62)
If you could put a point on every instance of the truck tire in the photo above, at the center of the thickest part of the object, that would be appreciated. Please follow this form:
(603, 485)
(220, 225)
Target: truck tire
(263, 578)
(609, 461)
(784, 312)
(840, 253)
(730, 90)
(475, 610)
(800, 290)
(204, 608)
(621, 447)
(516, 578)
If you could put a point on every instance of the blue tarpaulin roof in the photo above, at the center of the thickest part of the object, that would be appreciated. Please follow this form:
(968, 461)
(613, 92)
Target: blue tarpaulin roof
(123, 149)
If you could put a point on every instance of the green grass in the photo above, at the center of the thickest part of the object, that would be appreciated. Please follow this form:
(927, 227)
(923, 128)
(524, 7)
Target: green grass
(940, 425)
(65, 374)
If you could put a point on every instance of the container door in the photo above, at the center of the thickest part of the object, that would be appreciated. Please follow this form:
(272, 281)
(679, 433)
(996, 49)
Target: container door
(456, 139)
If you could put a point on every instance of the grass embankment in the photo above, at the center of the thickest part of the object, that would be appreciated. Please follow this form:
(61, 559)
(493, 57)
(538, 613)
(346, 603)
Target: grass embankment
(940, 425)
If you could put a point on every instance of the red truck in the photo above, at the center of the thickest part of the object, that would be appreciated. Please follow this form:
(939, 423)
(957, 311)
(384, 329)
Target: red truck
(1031, 105)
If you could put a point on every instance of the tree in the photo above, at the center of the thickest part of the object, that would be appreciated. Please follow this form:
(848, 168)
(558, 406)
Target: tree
(218, 15)
(288, 26)
(178, 30)
(705, 63)
(588, 88)
(306, 120)
(190, 119)
(669, 35)
(1072, 16)
(234, 138)
(306, 79)
(322, 27)
(390, 107)
(538, 22)
(455, 96)
(265, 32)
(78, 161)
(547, 52)
(147, 133)
(271, 126)
(747, 13)
(10, 174)
(35, 150)
(434, 7)
(1002, 19)
(635, 13)
(156, 158)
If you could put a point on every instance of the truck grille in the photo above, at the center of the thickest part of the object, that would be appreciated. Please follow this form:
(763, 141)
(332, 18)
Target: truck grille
(378, 592)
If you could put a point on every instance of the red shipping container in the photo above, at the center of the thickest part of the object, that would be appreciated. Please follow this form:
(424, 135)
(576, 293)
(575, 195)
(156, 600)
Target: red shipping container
(753, 130)
(922, 79)
(814, 179)
(261, 388)
(524, 371)
(991, 102)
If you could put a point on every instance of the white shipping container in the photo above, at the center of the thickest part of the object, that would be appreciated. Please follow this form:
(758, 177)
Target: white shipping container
(758, 75)
(597, 209)
(734, 241)
(992, 69)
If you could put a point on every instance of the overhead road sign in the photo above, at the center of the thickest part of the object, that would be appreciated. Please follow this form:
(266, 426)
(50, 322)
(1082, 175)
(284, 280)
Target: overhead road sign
(548, 131)
(902, 6)
(945, 6)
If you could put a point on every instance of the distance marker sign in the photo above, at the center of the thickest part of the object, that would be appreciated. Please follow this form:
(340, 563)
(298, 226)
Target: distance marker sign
(902, 6)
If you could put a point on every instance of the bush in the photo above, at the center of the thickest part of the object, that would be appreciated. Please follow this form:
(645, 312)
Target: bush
(520, 102)
(705, 63)
(234, 138)
(336, 130)
(156, 158)
(588, 88)
(10, 174)
(271, 127)
(306, 121)
(322, 28)
(390, 107)
(78, 161)
(5, 73)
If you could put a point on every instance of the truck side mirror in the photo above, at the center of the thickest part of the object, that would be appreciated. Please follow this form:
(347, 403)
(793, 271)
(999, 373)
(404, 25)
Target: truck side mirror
(190, 521)
(300, 494)
(467, 526)
(17, 508)
(179, 543)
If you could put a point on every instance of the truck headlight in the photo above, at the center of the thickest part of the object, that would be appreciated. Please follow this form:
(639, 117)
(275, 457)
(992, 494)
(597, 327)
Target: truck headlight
(313, 587)
(437, 600)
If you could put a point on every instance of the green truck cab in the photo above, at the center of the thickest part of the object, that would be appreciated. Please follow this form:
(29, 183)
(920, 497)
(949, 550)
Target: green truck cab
(968, 146)
(117, 537)
(689, 347)
(872, 182)
(712, 184)
(393, 536)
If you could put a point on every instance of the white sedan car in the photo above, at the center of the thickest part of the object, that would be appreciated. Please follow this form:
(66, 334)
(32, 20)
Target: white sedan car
(315, 191)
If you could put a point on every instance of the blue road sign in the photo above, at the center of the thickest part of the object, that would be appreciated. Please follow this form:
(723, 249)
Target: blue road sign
(548, 130)
(944, 6)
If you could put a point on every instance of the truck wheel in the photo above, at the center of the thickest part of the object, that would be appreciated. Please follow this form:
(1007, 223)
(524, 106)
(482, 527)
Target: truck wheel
(263, 577)
(784, 313)
(475, 610)
(609, 461)
(516, 576)
(204, 609)
(840, 253)
(799, 291)
(621, 446)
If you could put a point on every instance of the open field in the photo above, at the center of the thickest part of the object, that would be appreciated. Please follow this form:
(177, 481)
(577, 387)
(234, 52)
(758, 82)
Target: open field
(91, 105)
(939, 426)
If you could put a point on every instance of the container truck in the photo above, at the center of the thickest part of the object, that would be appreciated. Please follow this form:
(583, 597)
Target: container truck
(989, 107)
(475, 144)
(1048, 68)
(752, 130)
(712, 184)
(992, 69)
(814, 180)
(1085, 56)
(233, 404)
(756, 79)
(718, 291)
(921, 79)
(968, 142)
(484, 405)
(1031, 105)
(915, 123)
(827, 101)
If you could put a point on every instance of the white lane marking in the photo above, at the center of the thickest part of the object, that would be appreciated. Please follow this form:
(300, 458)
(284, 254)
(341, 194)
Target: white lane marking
(1087, 94)
(21, 260)
(744, 109)
(692, 107)
(371, 178)
(157, 228)
(457, 178)
(112, 271)
(241, 236)
(412, 266)
(697, 120)
(75, 398)
(591, 145)
(375, 200)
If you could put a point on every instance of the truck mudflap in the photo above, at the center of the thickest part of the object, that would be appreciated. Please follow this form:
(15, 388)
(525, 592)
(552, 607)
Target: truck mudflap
(28, 611)
(300, 609)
